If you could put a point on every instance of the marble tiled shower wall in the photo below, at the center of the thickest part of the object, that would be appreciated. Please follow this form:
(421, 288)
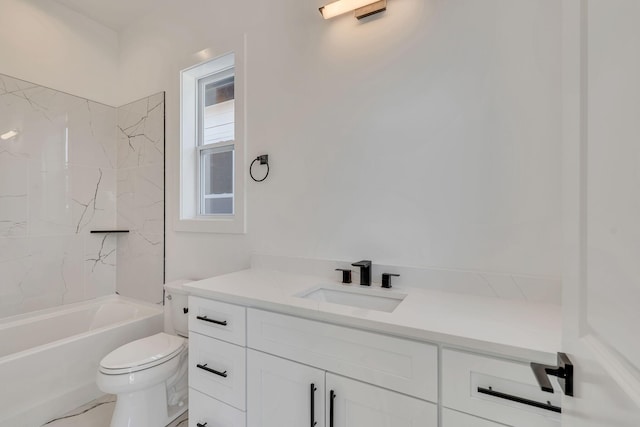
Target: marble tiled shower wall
(58, 180)
(141, 198)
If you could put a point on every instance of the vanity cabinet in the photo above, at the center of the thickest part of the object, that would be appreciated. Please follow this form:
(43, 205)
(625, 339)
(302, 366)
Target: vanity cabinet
(281, 393)
(256, 368)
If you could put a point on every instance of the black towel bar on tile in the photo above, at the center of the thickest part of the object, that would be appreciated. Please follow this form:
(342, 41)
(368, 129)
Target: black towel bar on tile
(108, 231)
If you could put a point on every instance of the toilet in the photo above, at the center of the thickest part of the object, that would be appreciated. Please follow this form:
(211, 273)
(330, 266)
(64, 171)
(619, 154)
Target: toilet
(149, 375)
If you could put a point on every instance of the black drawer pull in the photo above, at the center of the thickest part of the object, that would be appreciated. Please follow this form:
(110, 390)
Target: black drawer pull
(217, 322)
(201, 425)
(213, 371)
(332, 395)
(313, 405)
(548, 406)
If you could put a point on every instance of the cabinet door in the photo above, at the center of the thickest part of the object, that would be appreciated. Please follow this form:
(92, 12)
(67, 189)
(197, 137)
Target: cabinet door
(355, 404)
(281, 393)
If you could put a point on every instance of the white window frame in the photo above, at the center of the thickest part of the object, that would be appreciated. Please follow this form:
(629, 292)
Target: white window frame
(189, 216)
(219, 147)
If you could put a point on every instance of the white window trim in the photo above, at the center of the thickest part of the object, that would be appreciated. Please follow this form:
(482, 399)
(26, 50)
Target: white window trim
(188, 218)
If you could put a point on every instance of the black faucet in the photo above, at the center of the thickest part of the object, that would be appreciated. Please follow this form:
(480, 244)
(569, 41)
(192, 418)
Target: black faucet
(365, 271)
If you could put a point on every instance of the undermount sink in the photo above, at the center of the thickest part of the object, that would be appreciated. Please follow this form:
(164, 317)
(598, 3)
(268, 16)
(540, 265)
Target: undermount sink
(370, 299)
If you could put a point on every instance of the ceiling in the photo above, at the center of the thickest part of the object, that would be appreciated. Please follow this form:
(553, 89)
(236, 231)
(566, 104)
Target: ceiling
(115, 14)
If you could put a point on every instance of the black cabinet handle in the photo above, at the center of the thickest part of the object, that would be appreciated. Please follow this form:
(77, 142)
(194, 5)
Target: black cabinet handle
(332, 395)
(313, 405)
(217, 322)
(201, 425)
(213, 371)
(548, 406)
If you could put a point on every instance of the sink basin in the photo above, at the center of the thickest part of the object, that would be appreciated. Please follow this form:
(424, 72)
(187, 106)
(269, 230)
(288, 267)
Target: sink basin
(369, 299)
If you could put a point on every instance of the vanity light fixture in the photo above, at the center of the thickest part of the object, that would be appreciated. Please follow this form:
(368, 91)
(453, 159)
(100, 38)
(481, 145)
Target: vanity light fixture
(8, 135)
(362, 8)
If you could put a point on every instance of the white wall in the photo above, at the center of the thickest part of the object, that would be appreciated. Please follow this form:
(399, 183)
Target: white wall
(48, 44)
(427, 136)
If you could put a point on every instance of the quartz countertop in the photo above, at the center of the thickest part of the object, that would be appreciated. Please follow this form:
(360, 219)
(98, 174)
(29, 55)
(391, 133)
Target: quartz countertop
(518, 329)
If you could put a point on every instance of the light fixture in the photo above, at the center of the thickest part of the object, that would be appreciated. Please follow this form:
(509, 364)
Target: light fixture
(362, 8)
(8, 135)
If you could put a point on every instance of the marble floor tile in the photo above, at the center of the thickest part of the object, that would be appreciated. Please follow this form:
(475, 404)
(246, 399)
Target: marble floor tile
(98, 413)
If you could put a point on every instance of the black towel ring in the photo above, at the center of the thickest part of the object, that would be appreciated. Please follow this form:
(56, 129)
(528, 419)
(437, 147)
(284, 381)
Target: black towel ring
(264, 160)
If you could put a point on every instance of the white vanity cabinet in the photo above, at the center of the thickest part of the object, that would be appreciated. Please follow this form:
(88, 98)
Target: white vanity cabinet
(257, 368)
(281, 393)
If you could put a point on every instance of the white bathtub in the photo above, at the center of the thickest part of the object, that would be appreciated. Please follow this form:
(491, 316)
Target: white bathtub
(49, 359)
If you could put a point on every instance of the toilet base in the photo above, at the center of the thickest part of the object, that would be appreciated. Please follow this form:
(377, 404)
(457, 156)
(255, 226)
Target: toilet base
(145, 408)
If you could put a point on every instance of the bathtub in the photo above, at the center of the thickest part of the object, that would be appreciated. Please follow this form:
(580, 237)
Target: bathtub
(49, 359)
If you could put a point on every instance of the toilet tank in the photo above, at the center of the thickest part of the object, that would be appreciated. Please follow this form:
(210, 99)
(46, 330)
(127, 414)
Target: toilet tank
(176, 305)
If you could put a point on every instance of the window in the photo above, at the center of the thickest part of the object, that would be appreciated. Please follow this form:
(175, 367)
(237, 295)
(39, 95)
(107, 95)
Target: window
(216, 140)
(212, 148)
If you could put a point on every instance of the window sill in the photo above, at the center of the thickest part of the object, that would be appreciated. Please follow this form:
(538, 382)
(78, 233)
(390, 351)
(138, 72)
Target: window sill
(210, 225)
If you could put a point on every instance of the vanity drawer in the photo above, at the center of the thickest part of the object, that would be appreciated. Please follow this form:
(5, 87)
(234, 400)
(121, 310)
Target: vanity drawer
(216, 319)
(398, 364)
(467, 378)
(218, 369)
(205, 410)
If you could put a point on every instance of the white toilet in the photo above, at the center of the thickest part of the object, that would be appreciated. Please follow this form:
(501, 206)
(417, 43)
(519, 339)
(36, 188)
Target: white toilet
(149, 375)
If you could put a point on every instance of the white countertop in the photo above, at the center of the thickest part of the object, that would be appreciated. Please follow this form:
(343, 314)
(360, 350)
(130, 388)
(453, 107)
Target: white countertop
(524, 330)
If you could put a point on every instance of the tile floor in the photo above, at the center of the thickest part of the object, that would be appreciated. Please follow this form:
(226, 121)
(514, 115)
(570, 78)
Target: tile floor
(98, 414)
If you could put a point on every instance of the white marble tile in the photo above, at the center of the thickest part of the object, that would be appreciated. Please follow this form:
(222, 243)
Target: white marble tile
(93, 197)
(51, 205)
(59, 179)
(140, 266)
(39, 273)
(100, 264)
(13, 193)
(141, 132)
(13, 215)
(98, 413)
(92, 136)
(71, 201)
(140, 199)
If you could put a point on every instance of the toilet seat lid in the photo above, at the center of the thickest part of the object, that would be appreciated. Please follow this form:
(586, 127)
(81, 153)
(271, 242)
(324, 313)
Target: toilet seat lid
(143, 353)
